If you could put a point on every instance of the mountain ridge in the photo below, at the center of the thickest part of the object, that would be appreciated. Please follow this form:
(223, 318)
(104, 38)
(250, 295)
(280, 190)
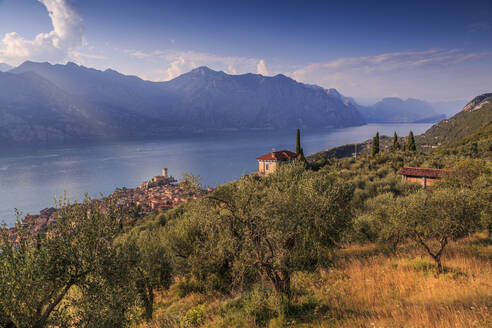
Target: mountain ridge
(5, 67)
(397, 110)
(197, 101)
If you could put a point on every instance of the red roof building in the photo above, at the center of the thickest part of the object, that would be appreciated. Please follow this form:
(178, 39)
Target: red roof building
(268, 163)
(423, 176)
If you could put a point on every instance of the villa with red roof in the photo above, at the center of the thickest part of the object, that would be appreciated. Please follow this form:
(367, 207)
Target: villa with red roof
(268, 163)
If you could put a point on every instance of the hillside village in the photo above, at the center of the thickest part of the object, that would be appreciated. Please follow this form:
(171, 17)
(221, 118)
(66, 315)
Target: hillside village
(160, 193)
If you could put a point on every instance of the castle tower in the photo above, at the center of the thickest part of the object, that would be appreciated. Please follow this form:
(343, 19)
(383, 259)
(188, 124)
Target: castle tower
(164, 172)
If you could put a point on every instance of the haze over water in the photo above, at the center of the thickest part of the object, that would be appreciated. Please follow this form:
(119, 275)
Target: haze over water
(30, 177)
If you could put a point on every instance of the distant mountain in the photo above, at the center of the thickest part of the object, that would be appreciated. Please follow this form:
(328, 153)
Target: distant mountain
(200, 100)
(475, 116)
(34, 109)
(396, 110)
(449, 108)
(218, 100)
(4, 67)
(108, 90)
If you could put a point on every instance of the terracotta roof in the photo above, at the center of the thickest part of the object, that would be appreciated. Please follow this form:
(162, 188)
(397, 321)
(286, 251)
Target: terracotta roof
(423, 172)
(282, 155)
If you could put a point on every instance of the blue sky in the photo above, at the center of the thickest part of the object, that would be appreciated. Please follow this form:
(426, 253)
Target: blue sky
(433, 50)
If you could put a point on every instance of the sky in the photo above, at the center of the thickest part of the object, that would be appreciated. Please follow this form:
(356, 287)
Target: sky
(431, 50)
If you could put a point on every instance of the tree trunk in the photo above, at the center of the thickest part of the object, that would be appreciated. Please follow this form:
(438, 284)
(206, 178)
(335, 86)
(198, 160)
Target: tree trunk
(44, 318)
(281, 283)
(149, 303)
(282, 286)
(439, 270)
(437, 256)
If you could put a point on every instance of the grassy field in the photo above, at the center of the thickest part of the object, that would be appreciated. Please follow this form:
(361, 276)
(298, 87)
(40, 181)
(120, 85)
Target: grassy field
(365, 287)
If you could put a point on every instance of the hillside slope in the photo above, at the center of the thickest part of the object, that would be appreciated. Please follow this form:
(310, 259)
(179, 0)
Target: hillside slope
(474, 116)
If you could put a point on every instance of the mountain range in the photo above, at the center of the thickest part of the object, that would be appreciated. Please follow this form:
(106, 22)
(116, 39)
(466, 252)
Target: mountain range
(396, 110)
(42, 102)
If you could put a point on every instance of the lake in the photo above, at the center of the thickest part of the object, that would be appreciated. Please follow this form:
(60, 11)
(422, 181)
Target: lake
(31, 176)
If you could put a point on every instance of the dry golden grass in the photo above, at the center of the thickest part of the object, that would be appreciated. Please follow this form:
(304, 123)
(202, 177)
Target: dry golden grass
(402, 291)
(364, 290)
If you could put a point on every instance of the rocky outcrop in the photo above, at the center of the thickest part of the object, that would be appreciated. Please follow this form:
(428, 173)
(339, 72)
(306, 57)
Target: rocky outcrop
(478, 102)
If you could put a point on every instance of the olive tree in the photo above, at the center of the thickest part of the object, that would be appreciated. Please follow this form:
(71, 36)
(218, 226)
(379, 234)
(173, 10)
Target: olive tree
(433, 218)
(264, 227)
(378, 221)
(149, 265)
(50, 278)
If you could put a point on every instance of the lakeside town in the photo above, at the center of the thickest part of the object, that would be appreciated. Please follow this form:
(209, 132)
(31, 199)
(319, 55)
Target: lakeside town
(161, 192)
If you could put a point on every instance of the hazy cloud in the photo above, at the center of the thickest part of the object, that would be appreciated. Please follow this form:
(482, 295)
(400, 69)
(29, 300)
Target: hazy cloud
(430, 73)
(175, 63)
(479, 26)
(56, 45)
(261, 68)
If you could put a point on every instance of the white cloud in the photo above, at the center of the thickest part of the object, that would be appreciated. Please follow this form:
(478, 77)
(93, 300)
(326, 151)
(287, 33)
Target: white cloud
(261, 68)
(57, 45)
(175, 63)
(429, 74)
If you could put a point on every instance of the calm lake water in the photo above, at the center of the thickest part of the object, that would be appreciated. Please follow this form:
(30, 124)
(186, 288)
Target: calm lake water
(30, 177)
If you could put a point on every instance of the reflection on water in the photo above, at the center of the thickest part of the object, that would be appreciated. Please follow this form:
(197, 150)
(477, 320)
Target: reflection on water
(30, 177)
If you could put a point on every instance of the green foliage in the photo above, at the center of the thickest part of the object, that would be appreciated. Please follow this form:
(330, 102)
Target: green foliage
(188, 286)
(378, 224)
(411, 142)
(434, 218)
(149, 265)
(396, 144)
(299, 150)
(191, 182)
(71, 275)
(298, 142)
(262, 228)
(375, 145)
(195, 317)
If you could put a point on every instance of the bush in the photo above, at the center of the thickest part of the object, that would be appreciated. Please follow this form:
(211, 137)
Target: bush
(194, 317)
(188, 286)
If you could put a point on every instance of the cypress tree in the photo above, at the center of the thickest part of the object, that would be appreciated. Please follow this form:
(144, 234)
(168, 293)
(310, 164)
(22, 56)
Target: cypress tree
(411, 142)
(375, 144)
(298, 142)
(299, 150)
(396, 144)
